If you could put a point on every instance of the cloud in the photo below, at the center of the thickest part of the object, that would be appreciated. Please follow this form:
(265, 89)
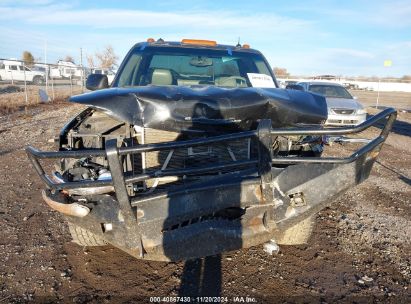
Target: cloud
(393, 14)
(353, 53)
(386, 14)
(105, 26)
(27, 2)
(121, 18)
(65, 25)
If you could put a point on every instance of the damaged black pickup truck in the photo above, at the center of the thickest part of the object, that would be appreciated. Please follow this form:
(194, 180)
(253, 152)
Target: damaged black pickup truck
(194, 151)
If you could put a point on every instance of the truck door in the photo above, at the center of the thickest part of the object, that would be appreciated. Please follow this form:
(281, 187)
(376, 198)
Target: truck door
(15, 73)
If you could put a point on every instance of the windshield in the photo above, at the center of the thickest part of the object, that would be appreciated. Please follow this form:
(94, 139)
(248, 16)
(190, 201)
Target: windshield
(330, 91)
(179, 66)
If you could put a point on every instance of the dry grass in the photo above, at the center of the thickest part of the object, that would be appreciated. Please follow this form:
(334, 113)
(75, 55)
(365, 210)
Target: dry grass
(11, 102)
(399, 100)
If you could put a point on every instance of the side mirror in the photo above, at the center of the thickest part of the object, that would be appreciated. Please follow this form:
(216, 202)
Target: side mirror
(96, 82)
(295, 87)
(355, 97)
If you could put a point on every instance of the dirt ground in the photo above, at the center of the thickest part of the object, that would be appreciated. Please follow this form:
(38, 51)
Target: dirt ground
(399, 100)
(13, 97)
(359, 252)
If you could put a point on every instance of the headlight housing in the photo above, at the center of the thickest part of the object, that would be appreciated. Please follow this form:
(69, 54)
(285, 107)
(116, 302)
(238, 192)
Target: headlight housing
(362, 111)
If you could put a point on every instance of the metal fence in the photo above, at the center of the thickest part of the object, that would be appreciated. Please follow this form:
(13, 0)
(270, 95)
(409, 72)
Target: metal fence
(42, 81)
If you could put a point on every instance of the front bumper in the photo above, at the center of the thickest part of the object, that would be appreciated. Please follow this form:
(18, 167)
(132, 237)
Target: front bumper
(345, 120)
(253, 203)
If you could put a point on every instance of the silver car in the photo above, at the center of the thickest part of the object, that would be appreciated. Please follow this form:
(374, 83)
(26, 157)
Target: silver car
(343, 108)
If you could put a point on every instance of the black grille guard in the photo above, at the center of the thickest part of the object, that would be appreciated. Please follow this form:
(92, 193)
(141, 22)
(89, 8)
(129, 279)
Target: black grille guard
(267, 189)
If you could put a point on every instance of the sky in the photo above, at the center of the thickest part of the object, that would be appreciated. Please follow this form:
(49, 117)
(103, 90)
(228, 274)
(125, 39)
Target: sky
(348, 38)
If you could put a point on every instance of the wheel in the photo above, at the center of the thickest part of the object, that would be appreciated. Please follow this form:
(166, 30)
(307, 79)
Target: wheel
(84, 237)
(298, 234)
(38, 80)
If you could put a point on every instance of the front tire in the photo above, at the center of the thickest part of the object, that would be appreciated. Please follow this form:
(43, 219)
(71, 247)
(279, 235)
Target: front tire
(84, 237)
(38, 80)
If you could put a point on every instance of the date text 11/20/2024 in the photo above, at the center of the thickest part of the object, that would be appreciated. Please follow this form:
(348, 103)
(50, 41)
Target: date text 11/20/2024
(236, 299)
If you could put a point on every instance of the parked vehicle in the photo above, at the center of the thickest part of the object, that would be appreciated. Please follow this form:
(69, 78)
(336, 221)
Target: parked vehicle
(343, 108)
(65, 70)
(15, 71)
(288, 82)
(351, 86)
(193, 151)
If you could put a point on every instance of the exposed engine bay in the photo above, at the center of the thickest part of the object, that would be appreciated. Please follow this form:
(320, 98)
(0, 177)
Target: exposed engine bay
(99, 123)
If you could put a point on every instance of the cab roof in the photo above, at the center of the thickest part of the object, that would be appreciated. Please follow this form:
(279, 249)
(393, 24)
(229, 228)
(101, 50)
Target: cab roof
(179, 44)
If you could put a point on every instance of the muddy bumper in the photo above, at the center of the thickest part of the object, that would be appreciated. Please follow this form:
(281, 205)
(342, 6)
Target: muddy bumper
(252, 202)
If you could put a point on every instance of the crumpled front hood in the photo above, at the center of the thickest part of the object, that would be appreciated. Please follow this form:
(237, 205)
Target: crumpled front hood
(205, 108)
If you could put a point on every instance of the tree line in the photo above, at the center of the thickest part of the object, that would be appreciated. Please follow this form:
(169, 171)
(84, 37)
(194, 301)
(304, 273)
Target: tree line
(106, 59)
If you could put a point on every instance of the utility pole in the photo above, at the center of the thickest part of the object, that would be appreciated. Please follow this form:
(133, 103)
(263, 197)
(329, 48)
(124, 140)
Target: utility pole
(387, 63)
(378, 93)
(25, 90)
(82, 70)
(47, 67)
